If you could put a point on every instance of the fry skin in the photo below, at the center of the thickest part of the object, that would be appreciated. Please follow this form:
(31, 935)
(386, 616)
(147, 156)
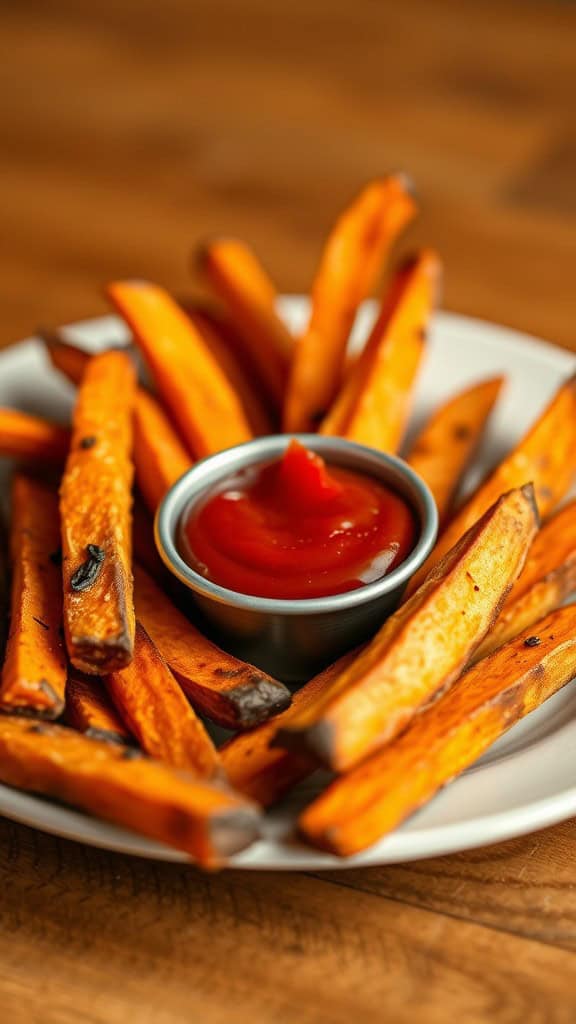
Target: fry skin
(377, 796)
(34, 672)
(149, 700)
(448, 441)
(230, 692)
(546, 581)
(194, 388)
(29, 437)
(546, 456)
(207, 820)
(160, 458)
(423, 647)
(95, 504)
(4, 586)
(353, 255)
(222, 340)
(374, 403)
(263, 772)
(89, 710)
(233, 274)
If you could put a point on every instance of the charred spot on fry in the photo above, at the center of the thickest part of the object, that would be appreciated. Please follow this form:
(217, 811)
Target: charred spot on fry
(88, 572)
(532, 641)
(88, 442)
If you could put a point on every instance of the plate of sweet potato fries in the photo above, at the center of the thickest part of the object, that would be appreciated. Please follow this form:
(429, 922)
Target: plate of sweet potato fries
(123, 725)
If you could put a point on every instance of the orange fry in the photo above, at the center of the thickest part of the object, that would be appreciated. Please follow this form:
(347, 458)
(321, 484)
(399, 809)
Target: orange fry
(423, 647)
(546, 581)
(88, 709)
(234, 275)
(221, 339)
(160, 458)
(34, 672)
(546, 457)
(380, 793)
(352, 257)
(205, 819)
(264, 772)
(194, 388)
(374, 404)
(149, 700)
(447, 443)
(227, 690)
(95, 509)
(29, 437)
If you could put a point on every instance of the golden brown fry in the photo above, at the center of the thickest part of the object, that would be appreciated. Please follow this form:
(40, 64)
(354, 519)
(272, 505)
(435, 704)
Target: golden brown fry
(547, 579)
(424, 646)
(194, 388)
(160, 458)
(88, 709)
(447, 443)
(380, 793)
(229, 691)
(234, 275)
(34, 673)
(28, 437)
(222, 340)
(374, 403)
(207, 820)
(149, 700)
(353, 255)
(546, 456)
(95, 502)
(264, 772)
(4, 586)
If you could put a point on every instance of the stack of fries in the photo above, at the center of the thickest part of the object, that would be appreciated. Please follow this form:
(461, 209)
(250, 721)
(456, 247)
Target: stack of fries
(97, 642)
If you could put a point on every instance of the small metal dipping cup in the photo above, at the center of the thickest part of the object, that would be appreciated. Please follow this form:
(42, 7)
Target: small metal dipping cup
(292, 640)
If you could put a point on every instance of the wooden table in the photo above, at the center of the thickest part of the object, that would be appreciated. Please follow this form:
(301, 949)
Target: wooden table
(129, 130)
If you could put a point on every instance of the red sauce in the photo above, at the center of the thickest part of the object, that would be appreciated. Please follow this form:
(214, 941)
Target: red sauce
(297, 528)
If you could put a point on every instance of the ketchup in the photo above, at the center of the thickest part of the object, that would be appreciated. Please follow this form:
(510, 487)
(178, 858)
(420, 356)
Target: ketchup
(297, 528)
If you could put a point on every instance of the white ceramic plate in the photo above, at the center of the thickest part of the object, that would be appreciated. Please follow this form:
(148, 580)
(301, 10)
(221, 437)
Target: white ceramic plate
(528, 779)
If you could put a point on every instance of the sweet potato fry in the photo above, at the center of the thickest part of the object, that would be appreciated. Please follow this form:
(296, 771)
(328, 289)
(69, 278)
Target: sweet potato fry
(89, 710)
(374, 404)
(194, 388)
(95, 500)
(30, 437)
(65, 357)
(547, 579)
(380, 793)
(446, 445)
(160, 458)
(424, 646)
(221, 339)
(4, 586)
(232, 272)
(264, 772)
(352, 257)
(205, 819)
(546, 456)
(34, 673)
(230, 692)
(149, 700)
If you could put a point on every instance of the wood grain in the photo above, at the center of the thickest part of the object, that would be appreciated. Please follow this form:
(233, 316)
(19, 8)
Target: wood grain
(107, 936)
(129, 132)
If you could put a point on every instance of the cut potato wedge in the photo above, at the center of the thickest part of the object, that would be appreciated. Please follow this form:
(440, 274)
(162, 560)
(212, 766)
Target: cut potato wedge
(376, 797)
(424, 646)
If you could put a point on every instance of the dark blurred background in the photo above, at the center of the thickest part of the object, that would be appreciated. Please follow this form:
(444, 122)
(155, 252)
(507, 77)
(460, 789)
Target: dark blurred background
(132, 128)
